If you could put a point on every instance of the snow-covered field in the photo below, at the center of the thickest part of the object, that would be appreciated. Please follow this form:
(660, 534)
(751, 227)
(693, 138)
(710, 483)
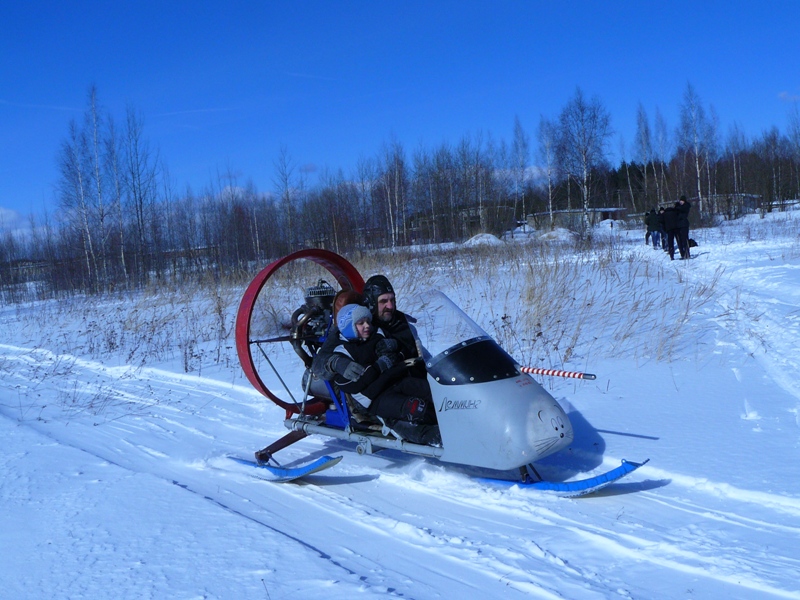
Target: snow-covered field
(114, 480)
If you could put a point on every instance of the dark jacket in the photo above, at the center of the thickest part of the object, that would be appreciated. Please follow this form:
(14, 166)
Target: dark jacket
(399, 329)
(372, 382)
(651, 220)
(320, 366)
(683, 213)
(671, 219)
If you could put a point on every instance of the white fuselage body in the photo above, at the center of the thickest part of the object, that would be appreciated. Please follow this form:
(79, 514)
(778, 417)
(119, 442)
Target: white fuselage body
(501, 424)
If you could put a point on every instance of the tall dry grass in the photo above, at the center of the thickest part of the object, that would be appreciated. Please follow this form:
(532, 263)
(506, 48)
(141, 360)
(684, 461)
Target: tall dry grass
(563, 305)
(553, 305)
(193, 322)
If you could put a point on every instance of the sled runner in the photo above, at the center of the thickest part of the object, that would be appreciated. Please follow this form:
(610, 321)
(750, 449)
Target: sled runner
(283, 474)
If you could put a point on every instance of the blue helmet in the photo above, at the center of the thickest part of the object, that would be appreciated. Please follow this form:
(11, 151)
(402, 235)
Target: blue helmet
(348, 316)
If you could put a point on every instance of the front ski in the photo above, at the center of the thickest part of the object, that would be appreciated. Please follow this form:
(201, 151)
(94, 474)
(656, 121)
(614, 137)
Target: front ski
(582, 487)
(590, 485)
(284, 474)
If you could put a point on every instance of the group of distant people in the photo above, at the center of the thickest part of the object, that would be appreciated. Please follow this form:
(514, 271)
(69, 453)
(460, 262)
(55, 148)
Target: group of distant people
(372, 352)
(668, 226)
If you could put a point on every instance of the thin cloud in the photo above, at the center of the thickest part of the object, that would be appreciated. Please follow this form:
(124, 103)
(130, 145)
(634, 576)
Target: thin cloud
(787, 97)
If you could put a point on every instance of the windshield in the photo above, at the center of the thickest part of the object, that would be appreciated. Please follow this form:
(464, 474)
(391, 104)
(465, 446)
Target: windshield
(440, 323)
(455, 348)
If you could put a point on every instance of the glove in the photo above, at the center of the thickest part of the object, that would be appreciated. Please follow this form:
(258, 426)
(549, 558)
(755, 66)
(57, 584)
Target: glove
(349, 369)
(386, 346)
(353, 371)
(386, 362)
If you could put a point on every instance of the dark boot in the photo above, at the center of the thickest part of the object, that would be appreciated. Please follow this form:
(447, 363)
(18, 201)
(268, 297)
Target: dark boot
(430, 435)
(426, 435)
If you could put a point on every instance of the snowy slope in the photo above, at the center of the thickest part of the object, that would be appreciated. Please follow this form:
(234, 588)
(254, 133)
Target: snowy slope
(114, 479)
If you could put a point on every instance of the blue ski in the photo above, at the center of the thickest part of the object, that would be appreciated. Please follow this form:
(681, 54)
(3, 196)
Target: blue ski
(581, 487)
(283, 474)
(589, 485)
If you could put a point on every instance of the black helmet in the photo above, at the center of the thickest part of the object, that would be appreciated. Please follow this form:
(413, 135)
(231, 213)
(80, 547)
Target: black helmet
(376, 286)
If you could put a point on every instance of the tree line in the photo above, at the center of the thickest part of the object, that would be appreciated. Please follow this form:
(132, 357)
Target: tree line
(123, 224)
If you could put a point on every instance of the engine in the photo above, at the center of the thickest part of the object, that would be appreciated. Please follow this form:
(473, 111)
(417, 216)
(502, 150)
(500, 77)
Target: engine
(312, 320)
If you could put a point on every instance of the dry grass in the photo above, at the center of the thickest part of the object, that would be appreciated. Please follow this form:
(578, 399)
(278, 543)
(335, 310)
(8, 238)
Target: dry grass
(555, 305)
(547, 304)
(195, 322)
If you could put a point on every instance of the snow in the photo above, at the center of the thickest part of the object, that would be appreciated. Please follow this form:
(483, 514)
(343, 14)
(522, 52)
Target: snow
(483, 239)
(116, 418)
(559, 234)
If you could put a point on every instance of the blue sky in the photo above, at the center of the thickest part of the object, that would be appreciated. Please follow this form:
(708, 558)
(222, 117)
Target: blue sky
(222, 86)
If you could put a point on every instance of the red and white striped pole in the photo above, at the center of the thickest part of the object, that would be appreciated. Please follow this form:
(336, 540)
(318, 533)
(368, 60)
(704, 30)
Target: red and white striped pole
(557, 373)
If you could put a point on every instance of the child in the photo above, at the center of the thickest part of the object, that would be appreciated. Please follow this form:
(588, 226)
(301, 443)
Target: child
(377, 378)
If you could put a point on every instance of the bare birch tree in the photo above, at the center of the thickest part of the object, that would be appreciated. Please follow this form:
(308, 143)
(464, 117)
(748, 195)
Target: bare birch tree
(140, 187)
(691, 136)
(424, 188)
(283, 180)
(662, 154)
(734, 148)
(74, 195)
(711, 146)
(644, 148)
(584, 129)
(547, 153)
(366, 176)
(97, 173)
(113, 168)
(520, 156)
(394, 179)
(627, 172)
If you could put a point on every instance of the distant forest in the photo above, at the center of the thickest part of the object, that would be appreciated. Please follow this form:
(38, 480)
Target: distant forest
(122, 222)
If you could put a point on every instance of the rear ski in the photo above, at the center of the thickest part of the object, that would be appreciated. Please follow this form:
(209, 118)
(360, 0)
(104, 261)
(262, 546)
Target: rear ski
(283, 474)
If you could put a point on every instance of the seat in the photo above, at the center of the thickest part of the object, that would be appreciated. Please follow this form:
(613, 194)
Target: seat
(354, 413)
(317, 388)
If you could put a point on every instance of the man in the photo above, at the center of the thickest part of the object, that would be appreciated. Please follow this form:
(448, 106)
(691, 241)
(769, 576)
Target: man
(381, 300)
(671, 225)
(653, 228)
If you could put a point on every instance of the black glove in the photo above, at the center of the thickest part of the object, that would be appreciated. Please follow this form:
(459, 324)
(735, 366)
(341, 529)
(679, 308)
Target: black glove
(386, 362)
(354, 371)
(349, 369)
(386, 346)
